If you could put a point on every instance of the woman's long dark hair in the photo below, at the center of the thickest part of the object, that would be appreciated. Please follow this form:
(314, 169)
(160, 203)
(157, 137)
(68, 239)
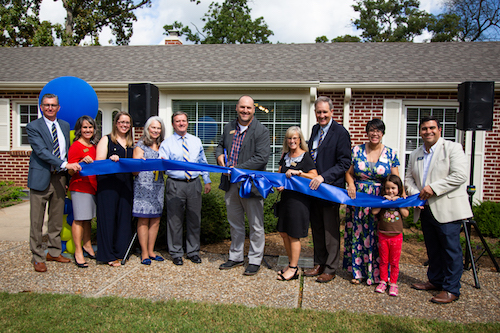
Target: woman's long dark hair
(78, 129)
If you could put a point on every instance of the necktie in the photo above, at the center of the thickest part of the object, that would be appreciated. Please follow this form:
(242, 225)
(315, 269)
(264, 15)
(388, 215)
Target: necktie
(55, 142)
(185, 155)
(314, 152)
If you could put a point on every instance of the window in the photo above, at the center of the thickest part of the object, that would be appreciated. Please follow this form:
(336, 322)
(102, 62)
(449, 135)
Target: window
(26, 113)
(208, 117)
(447, 117)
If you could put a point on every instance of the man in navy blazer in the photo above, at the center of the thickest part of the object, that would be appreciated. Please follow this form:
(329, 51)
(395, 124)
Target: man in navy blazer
(47, 180)
(330, 147)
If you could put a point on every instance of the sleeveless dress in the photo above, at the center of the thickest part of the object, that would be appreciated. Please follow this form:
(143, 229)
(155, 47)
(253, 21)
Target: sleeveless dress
(114, 209)
(149, 188)
(294, 210)
(360, 242)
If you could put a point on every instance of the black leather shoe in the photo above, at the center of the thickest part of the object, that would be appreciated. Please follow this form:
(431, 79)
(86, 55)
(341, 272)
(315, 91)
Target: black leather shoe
(178, 261)
(251, 269)
(230, 264)
(195, 259)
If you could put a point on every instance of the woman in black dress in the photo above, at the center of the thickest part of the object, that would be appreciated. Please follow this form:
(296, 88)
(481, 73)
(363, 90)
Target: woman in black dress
(293, 221)
(115, 194)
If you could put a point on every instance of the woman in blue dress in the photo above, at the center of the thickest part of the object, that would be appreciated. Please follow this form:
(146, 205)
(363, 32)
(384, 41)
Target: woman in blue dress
(149, 188)
(371, 163)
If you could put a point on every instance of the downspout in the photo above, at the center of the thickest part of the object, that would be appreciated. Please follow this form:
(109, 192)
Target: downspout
(347, 107)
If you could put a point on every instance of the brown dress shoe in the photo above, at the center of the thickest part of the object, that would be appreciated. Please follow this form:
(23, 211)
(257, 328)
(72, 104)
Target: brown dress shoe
(58, 259)
(40, 267)
(325, 277)
(444, 297)
(424, 286)
(315, 271)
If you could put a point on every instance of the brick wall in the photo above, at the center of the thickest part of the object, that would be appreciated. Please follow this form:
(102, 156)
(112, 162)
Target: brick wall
(368, 105)
(492, 152)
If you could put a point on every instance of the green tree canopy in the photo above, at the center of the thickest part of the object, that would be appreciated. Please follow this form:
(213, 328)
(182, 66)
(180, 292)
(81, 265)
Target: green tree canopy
(390, 20)
(21, 26)
(229, 23)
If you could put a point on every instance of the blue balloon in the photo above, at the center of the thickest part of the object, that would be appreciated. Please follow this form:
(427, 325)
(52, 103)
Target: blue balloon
(63, 246)
(69, 219)
(68, 206)
(76, 97)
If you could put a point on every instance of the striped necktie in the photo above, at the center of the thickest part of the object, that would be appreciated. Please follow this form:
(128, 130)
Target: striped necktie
(315, 151)
(185, 155)
(55, 142)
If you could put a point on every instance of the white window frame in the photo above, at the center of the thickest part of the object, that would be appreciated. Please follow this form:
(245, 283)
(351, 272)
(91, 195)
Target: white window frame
(16, 123)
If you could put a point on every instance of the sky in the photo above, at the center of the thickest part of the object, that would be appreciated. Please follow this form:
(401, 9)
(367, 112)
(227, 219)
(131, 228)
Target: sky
(292, 21)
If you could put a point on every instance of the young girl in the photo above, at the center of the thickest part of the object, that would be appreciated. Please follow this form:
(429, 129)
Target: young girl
(390, 234)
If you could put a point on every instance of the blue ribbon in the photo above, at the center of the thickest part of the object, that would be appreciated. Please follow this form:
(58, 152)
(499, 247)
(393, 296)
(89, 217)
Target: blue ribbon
(262, 180)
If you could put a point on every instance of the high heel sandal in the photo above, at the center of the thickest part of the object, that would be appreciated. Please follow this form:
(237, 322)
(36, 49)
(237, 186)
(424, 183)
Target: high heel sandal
(294, 277)
(284, 269)
(88, 254)
(84, 265)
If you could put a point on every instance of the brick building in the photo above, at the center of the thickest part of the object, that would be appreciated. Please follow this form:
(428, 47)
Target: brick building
(397, 82)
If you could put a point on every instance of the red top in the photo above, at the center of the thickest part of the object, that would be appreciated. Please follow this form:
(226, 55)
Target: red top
(87, 184)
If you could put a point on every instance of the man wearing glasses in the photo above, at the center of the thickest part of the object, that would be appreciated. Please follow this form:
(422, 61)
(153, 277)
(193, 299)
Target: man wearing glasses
(49, 140)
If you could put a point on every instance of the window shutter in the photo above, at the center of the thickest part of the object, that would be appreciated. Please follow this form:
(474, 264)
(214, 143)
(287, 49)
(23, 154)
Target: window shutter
(4, 124)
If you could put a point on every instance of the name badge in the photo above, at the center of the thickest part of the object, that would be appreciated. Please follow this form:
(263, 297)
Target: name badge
(420, 158)
(384, 160)
(232, 132)
(85, 150)
(293, 163)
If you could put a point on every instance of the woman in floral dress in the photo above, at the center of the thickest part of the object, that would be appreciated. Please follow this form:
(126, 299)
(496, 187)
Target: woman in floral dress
(371, 163)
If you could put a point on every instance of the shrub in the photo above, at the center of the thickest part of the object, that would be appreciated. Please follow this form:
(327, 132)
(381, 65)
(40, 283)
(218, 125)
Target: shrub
(487, 216)
(10, 194)
(408, 222)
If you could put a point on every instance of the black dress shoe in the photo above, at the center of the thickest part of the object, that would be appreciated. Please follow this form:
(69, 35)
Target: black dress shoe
(178, 261)
(195, 259)
(251, 269)
(230, 264)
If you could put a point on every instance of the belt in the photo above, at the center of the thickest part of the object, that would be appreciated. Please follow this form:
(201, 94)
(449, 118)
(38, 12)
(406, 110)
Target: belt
(184, 180)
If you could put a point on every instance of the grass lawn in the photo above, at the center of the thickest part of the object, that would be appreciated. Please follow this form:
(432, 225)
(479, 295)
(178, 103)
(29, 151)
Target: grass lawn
(31, 312)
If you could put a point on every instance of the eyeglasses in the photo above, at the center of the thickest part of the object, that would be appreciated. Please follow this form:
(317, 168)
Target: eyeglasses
(123, 122)
(50, 105)
(295, 138)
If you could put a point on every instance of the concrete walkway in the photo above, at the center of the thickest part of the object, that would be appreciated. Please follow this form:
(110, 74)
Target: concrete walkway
(206, 283)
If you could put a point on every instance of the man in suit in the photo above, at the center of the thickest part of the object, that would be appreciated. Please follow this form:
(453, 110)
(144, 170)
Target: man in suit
(438, 172)
(183, 190)
(330, 148)
(244, 144)
(49, 140)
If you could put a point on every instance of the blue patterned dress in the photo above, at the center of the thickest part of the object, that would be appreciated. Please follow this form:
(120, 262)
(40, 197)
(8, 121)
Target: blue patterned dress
(149, 188)
(360, 242)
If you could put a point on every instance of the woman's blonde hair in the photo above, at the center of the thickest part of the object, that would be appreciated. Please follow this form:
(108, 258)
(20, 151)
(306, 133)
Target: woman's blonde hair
(289, 133)
(130, 139)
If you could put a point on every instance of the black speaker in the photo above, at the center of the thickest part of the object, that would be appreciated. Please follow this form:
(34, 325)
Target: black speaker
(476, 100)
(142, 102)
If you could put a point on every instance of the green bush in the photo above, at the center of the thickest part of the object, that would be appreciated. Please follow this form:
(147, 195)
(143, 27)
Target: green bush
(487, 216)
(214, 225)
(408, 222)
(10, 194)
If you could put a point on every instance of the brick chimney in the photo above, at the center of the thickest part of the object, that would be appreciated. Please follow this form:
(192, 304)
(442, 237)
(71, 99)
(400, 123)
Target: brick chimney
(173, 38)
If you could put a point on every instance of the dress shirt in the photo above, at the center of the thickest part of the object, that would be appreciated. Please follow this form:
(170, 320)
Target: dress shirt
(171, 149)
(316, 138)
(61, 138)
(427, 161)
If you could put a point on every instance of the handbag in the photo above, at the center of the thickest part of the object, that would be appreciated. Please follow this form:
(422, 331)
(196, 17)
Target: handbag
(276, 205)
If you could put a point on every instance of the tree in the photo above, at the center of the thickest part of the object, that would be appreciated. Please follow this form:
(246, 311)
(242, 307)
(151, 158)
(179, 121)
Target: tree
(390, 20)
(229, 23)
(346, 38)
(322, 39)
(444, 28)
(21, 26)
(88, 18)
(478, 19)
